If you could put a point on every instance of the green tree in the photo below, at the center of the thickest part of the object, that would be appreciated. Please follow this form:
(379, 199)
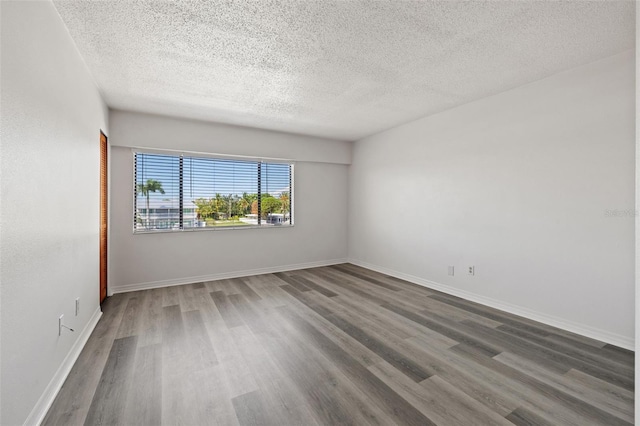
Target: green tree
(218, 205)
(245, 202)
(145, 189)
(205, 210)
(269, 204)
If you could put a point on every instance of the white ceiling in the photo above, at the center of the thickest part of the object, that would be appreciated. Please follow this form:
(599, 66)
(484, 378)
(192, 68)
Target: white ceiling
(338, 69)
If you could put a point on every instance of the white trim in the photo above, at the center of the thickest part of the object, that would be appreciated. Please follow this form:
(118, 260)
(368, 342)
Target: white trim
(49, 395)
(573, 327)
(162, 151)
(224, 275)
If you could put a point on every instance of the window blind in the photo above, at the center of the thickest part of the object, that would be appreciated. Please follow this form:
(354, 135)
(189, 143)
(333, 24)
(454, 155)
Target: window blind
(178, 192)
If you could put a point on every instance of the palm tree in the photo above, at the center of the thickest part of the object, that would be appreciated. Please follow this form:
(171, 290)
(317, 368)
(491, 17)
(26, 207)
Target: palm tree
(284, 201)
(152, 185)
(218, 205)
(229, 201)
(244, 203)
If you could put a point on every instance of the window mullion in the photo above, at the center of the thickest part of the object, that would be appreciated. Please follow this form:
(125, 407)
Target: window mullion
(181, 193)
(259, 192)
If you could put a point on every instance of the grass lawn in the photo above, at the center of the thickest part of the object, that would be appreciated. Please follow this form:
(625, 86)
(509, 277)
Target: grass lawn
(228, 223)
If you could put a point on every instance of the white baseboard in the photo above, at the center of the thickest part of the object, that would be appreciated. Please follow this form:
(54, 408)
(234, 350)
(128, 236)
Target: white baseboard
(573, 327)
(49, 395)
(221, 276)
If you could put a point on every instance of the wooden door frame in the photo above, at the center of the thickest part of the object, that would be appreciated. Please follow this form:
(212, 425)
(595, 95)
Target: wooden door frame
(104, 216)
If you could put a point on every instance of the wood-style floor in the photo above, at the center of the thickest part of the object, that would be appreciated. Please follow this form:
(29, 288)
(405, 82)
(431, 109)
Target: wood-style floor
(335, 345)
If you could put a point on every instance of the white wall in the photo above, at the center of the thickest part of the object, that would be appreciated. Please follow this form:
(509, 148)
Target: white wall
(320, 193)
(637, 223)
(51, 117)
(132, 129)
(520, 185)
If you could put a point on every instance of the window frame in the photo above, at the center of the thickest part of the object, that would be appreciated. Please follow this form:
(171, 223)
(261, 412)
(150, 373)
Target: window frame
(184, 154)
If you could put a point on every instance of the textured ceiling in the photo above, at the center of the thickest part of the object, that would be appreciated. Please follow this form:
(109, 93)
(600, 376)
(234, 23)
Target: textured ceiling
(338, 69)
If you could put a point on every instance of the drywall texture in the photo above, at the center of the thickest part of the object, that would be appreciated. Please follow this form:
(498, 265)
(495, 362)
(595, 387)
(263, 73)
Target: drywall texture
(534, 186)
(319, 235)
(133, 129)
(338, 69)
(51, 117)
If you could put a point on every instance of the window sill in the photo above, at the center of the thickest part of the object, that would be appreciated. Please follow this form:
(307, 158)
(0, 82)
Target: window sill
(208, 229)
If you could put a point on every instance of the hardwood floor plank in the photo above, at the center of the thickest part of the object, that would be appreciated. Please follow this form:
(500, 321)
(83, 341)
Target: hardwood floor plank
(492, 314)
(292, 281)
(284, 402)
(454, 313)
(225, 286)
(527, 397)
(582, 343)
(248, 314)
(398, 298)
(460, 405)
(589, 413)
(622, 355)
(313, 286)
(570, 351)
(432, 399)
(477, 382)
(391, 402)
(395, 324)
(271, 296)
(229, 314)
(250, 410)
(612, 404)
(109, 401)
(541, 355)
(523, 417)
(346, 342)
(403, 285)
(203, 355)
(242, 285)
(445, 330)
(326, 391)
(376, 322)
(144, 405)
(545, 357)
(215, 396)
(608, 394)
(170, 296)
(365, 278)
(408, 367)
(187, 295)
(346, 284)
(232, 367)
(150, 329)
(132, 316)
(175, 395)
(516, 321)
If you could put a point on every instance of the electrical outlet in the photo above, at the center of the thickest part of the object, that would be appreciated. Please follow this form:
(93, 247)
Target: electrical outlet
(77, 306)
(451, 270)
(471, 270)
(61, 325)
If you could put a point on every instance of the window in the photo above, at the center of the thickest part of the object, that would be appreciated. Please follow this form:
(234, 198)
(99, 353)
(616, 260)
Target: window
(180, 192)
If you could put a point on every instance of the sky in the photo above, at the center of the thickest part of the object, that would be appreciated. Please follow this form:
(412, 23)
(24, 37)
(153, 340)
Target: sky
(204, 177)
